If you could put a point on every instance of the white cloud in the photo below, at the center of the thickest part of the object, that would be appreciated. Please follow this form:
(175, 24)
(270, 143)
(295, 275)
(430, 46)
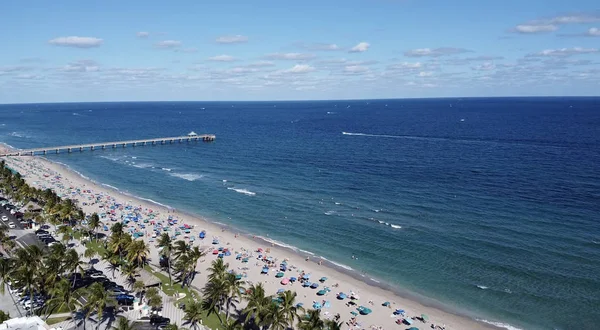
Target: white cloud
(360, 47)
(81, 66)
(593, 32)
(222, 58)
(425, 74)
(187, 50)
(300, 68)
(527, 28)
(407, 65)
(564, 52)
(435, 52)
(552, 24)
(168, 44)
(77, 42)
(235, 39)
(290, 56)
(319, 46)
(143, 34)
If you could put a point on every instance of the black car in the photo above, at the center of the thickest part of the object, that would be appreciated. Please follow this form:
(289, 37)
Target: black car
(41, 232)
(159, 320)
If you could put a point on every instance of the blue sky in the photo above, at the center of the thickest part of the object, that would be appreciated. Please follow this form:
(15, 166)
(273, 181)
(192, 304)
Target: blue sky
(69, 51)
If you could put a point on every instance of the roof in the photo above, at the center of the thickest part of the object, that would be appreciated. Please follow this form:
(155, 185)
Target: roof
(148, 278)
(32, 206)
(24, 323)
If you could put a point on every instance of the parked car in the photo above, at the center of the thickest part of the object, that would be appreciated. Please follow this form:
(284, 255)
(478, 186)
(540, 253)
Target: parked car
(96, 275)
(4, 218)
(159, 320)
(11, 225)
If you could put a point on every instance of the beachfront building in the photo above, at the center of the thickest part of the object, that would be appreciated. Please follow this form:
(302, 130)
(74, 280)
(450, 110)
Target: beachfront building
(25, 323)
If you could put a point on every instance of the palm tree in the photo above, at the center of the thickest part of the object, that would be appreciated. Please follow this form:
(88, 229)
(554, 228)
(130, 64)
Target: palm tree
(257, 303)
(113, 260)
(218, 269)
(214, 296)
(94, 223)
(6, 269)
(233, 292)
(27, 268)
(138, 253)
(171, 326)
(66, 232)
(180, 248)
(193, 314)
(312, 321)
(289, 307)
(97, 301)
(139, 287)
(231, 325)
(63, 296)
(73, 264)
(130, 271)
(166, 243)
(275, 318)
(124, 324)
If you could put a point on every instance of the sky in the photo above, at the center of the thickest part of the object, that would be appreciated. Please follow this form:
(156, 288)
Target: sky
(78, 51)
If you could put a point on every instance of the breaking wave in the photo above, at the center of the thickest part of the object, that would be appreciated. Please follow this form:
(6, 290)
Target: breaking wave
(187, 176)
(500, 324)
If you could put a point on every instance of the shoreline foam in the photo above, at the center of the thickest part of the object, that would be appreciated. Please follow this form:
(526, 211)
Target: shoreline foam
(424, 304)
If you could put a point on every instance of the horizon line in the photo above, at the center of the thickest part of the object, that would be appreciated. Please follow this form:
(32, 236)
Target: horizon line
(314, 100)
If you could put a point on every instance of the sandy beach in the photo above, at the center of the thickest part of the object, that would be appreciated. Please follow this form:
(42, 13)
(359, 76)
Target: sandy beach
(143, 217)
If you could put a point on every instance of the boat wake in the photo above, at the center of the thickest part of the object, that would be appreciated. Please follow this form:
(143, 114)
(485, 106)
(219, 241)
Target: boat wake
(482, 287)
(386, 223)
(242, 191)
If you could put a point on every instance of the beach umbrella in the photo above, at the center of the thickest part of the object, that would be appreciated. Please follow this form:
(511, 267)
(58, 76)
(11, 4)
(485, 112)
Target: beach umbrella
(327, 304)
(365, 311)
(314, 285)
(317, 305)
(280, 274)
(354, 313)
(323, 279)
(386, 304)
(280, 291)
(413, 328)
(399, 311)
(285, 281)
(293, 279)
(408, 320)
(306, 276)
(341, 296)
(306, 284)
(321, 292)
(299, 304)
(424, 317)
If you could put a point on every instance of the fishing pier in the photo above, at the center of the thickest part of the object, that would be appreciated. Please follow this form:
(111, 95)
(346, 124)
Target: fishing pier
(112, 145)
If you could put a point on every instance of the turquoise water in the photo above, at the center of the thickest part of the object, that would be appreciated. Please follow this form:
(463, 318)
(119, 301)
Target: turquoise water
(487, 205)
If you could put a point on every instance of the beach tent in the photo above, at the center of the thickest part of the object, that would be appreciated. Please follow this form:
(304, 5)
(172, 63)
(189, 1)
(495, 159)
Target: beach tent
(341, 296)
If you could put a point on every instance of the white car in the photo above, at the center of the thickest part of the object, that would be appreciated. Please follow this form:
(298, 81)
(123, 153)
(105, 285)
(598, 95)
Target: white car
(97, 275)
(4, 218)
(11, 225)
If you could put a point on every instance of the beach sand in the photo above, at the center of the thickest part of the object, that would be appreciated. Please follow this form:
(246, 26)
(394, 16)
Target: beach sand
(42, 173)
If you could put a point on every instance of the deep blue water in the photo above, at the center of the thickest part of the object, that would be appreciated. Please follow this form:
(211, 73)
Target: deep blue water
(498, 199)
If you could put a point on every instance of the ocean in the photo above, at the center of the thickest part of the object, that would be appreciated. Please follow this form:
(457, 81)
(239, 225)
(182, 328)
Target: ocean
(486, 206)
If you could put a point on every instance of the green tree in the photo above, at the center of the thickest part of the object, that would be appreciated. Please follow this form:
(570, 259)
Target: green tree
(97, 301)
(62, 295)
(166, 244)
(4, 316)
(124, 324)
(94, 223)
(257, 304)
(312, 321)
(289, 307)
(193, 314)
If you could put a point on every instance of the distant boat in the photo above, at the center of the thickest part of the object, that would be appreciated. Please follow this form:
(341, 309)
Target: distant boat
(192, 133)
(462, 119)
